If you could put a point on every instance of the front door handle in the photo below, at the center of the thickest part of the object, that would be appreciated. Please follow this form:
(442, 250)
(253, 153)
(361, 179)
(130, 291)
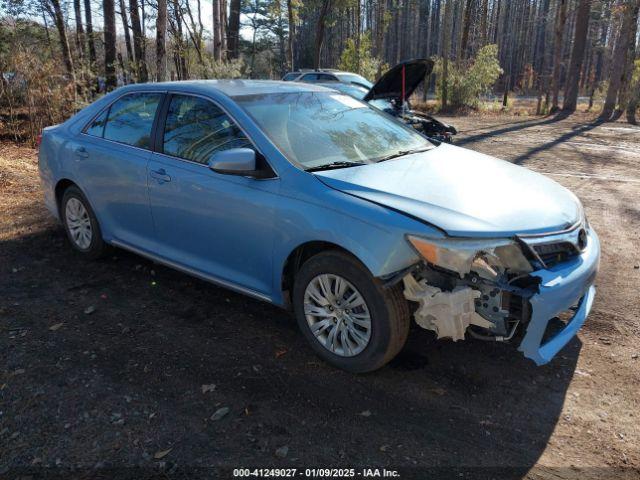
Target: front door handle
(82, 152)
(160, 175)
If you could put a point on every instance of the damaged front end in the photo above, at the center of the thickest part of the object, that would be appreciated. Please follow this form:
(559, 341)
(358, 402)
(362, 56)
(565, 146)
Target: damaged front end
(497, 289)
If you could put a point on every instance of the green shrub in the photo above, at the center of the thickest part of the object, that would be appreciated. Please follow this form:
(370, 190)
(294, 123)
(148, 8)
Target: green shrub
(234, 68)
(368, 66)
(467, 81)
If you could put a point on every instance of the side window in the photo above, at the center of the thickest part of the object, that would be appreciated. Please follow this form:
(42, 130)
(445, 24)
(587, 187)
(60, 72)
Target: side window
(195, 129)
(96, 128)
(131, 118)
(310, 77)
(323, 77)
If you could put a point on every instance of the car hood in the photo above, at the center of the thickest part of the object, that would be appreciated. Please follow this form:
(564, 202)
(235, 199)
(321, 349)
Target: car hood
(462, 192)
(389, 85)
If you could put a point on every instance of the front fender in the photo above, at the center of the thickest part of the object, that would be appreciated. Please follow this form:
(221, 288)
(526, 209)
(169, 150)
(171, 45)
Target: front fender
(372, 233)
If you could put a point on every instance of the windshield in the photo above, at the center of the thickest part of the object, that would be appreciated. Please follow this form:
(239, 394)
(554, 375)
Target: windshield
(314, 129)
(352, 77)
(382, 104)
(350, 89)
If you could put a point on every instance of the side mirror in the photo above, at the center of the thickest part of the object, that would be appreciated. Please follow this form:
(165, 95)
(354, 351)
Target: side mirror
(235, 161)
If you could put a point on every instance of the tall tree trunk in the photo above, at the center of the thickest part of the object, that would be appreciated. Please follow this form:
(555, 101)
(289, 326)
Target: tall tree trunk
(79, 29)
(179, 57)
(320, 33)
(462, 54)
(217, 30)
(446, 48)
(224, 54)
(195, 32)
(233, 32)
(138, 41)
(109, 12)
(633, 103)
(46, 29)
(577, 57)
(161, 49)
(357, 22)
(561, 20)
(64, 42)
(484, 9)
(90, 38)
(125, 26)
(625, 83)
(540, 53)
(618, 61)
(292, 34)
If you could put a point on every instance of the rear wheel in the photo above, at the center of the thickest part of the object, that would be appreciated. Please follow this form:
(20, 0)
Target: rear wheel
(81, 224)
(348, 317)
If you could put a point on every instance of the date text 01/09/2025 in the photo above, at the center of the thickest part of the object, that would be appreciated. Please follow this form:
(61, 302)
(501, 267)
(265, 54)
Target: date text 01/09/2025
(316, 472)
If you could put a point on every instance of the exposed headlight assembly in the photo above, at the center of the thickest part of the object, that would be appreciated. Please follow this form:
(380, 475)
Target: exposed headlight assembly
(462, 256)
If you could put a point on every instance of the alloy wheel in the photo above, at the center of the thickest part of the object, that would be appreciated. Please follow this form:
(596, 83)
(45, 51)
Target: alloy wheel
(337, 315)
(78, 223)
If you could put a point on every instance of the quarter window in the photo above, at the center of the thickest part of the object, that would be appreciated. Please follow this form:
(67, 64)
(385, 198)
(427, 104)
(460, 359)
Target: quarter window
(195, 129)
(96, 129)
(130, 119)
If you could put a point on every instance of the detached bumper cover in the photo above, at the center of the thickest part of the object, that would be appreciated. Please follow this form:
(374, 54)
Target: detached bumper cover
(561, 287)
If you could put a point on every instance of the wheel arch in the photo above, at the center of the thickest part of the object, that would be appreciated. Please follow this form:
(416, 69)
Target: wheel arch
(61, 187)
(301, 254)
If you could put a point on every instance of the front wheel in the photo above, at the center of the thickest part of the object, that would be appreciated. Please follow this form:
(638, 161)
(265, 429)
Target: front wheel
(350, 319)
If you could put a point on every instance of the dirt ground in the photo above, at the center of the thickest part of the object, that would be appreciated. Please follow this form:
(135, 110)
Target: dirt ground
(115, 368)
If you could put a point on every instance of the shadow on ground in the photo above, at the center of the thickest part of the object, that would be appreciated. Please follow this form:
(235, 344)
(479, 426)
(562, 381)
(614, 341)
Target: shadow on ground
(105, 364)
(512, 127)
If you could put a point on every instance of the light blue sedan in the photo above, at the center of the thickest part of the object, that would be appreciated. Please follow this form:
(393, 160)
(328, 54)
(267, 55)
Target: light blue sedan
(312, 200)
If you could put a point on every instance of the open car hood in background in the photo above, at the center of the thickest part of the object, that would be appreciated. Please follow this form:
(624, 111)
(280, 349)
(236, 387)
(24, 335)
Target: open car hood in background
(390, 84)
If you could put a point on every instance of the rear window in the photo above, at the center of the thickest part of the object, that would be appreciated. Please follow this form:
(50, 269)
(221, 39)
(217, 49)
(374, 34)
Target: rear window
(310, 77)
(129, 120)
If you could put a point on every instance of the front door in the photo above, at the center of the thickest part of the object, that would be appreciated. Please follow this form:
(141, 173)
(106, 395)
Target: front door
(214, 224)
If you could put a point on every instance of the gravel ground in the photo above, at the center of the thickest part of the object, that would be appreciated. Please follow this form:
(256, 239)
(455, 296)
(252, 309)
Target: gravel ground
(123, 368)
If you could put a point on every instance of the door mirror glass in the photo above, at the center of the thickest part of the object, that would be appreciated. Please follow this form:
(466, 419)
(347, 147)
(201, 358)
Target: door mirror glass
(235, 161)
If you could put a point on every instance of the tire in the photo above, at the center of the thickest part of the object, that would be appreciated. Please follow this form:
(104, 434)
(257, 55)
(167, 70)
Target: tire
(94, 247)
(387, 309)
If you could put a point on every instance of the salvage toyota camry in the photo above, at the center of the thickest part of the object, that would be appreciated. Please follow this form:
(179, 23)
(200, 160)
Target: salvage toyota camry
(312, 200)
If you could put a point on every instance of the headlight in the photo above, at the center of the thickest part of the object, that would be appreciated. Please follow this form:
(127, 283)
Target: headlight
(485, 257)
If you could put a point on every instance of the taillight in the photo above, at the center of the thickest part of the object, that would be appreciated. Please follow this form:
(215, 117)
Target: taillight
(39, 140)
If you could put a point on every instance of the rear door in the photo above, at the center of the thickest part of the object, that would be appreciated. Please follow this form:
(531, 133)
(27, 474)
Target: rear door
(217, 225)
(111, 161)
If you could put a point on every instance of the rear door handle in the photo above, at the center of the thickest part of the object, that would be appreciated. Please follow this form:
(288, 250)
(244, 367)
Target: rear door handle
(160, 175)
(82, 152)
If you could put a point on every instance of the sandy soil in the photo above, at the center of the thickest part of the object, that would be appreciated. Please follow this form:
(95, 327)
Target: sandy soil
(107, 367)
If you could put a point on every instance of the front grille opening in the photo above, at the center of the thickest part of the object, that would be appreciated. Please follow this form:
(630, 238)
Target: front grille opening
(555, 253)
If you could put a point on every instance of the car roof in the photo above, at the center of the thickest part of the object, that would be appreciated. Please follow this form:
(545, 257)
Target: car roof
(330, 71)
(231, 88)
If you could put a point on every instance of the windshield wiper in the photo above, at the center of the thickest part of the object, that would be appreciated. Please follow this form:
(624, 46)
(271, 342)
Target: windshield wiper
(332, 165)
(402, 153)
